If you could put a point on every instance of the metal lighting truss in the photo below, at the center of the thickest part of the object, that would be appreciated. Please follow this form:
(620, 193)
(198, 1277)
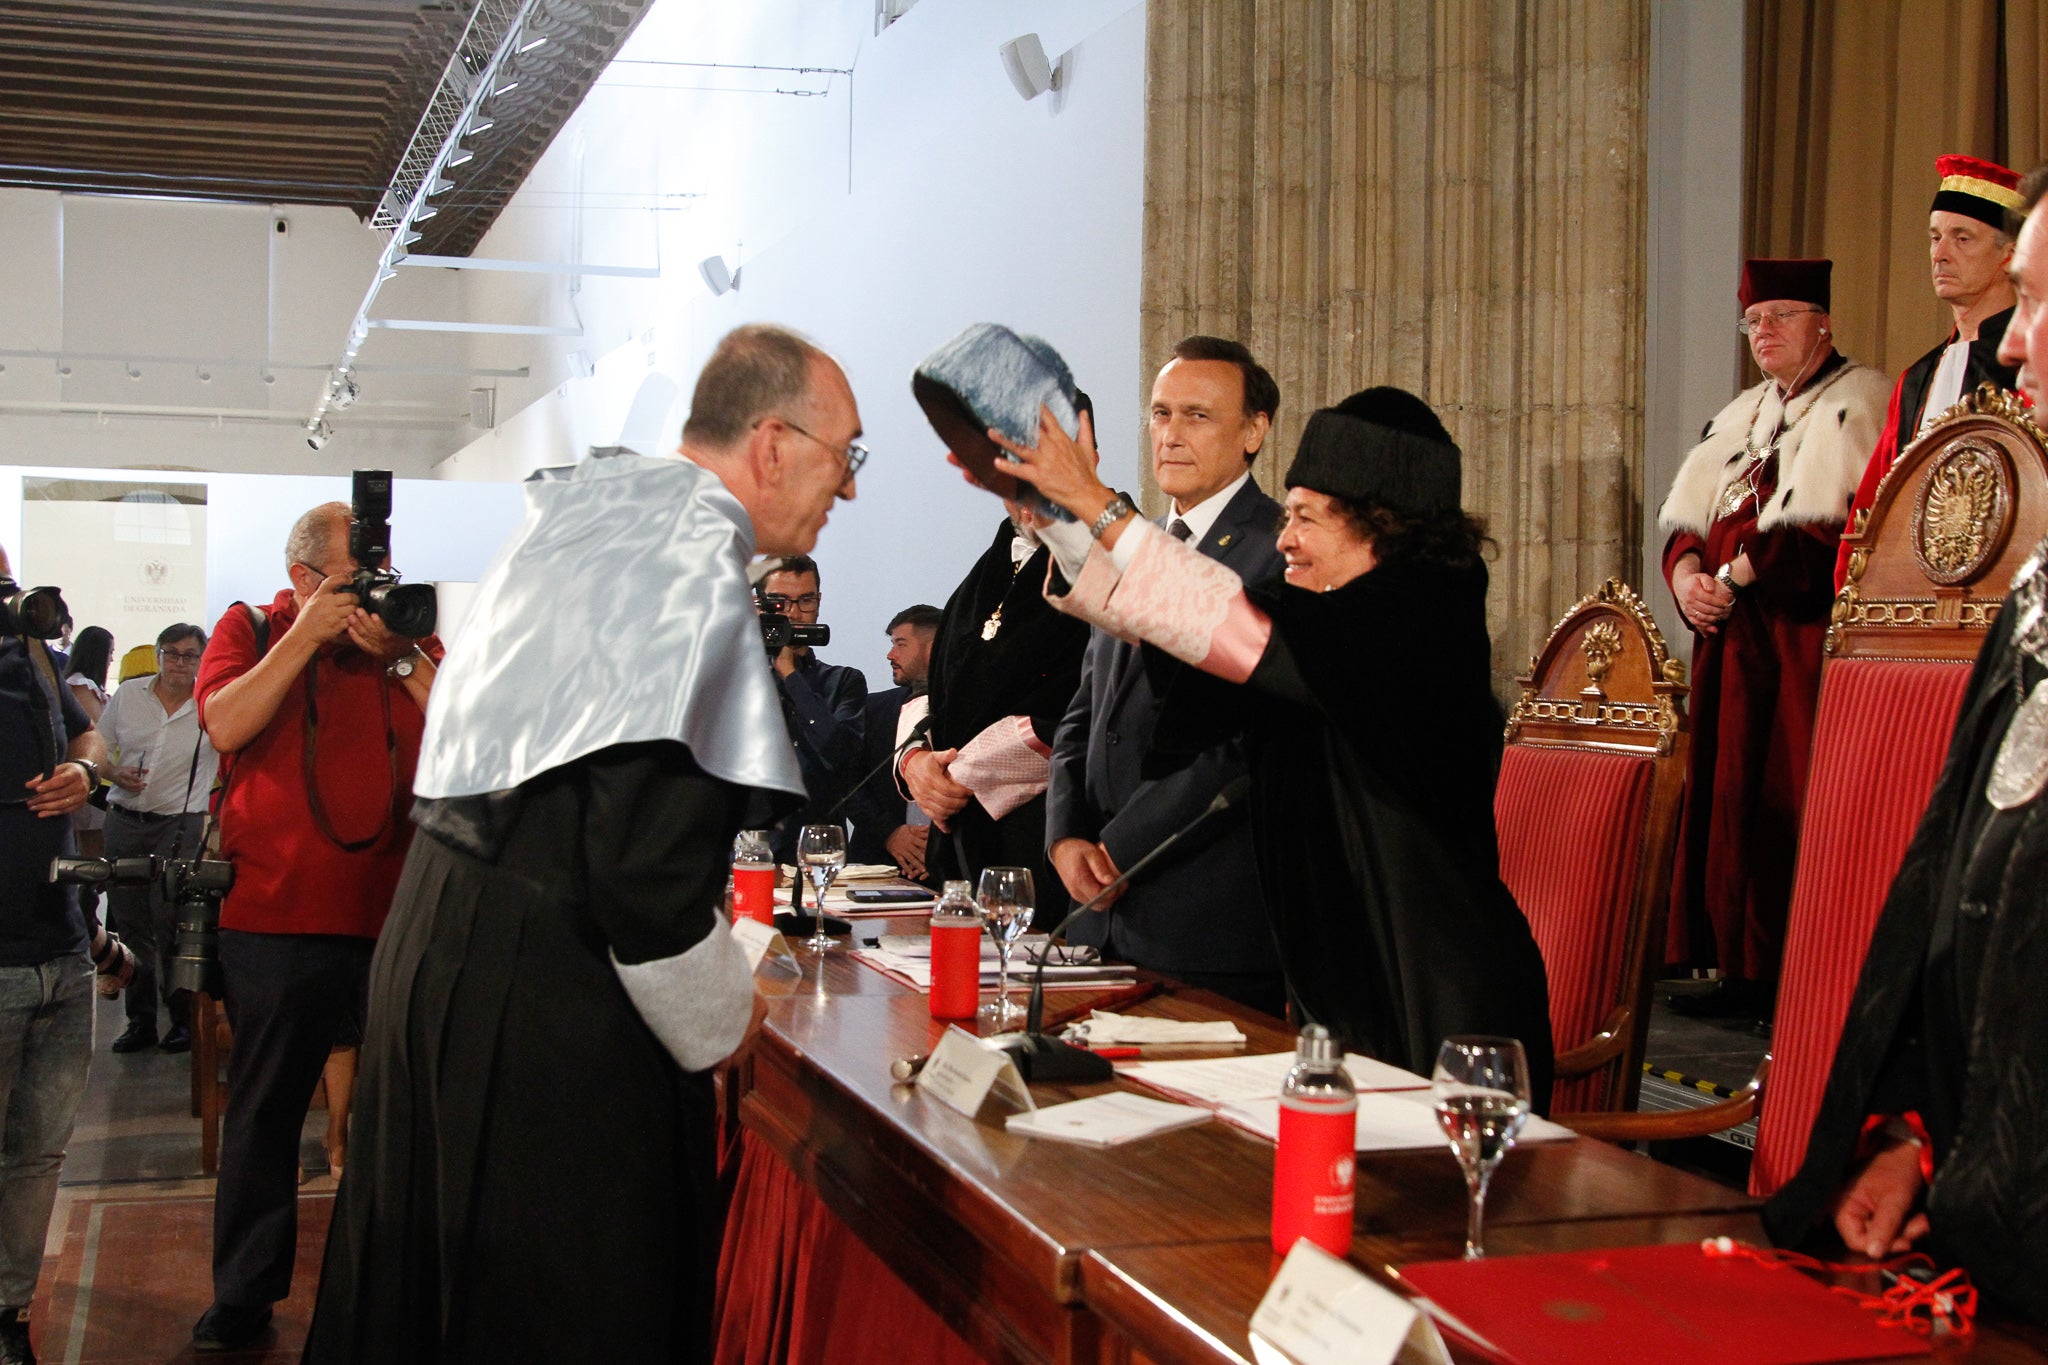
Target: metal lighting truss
(498, 31)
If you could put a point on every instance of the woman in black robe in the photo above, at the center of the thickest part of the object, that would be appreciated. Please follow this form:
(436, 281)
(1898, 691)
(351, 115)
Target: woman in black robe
(1363, 689)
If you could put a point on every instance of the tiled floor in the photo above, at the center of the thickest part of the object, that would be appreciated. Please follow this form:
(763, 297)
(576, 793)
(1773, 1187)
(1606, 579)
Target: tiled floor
(128, 1266)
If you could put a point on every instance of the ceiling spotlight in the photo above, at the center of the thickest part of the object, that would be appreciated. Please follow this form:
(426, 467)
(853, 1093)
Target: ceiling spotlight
(459, 155)
(345, 392)
(507, 88)
(204, 375)
(1025, 61)
(528, 47)
(424, 212)
(440, 184)
(268, 376)
(717, 277)
(63, 369)
(478, 124)
(317, 434)
(134, 371)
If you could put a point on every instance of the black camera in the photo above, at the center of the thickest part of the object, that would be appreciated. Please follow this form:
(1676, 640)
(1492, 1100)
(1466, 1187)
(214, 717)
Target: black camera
(195, 885)
(406, 608)
(35, 612)
(778, 632)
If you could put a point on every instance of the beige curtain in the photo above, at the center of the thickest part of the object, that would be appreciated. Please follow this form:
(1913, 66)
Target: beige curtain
(1850, 103)
(1448, 195)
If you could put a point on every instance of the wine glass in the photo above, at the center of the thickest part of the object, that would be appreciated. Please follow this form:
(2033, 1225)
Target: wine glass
(1006, 898)
(821, 849)
(1481, 1091)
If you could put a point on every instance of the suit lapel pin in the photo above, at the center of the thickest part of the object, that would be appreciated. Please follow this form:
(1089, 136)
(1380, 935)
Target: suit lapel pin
(1222, 541)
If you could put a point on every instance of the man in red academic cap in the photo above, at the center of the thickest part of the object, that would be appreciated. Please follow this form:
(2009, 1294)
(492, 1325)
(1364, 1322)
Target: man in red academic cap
(1754, 520)
(1970, 252)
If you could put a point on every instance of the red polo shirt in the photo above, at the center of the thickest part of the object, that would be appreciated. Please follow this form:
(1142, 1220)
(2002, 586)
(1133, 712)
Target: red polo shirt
(290, 878)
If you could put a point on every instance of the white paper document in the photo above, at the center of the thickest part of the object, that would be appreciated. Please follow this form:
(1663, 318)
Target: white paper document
(1222, 1081)
(1388, 1121)
(1103, 1028)
(1106, 1120)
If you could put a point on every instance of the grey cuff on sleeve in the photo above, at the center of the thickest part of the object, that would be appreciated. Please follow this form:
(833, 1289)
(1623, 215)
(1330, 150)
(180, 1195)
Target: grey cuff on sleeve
(698, 1003)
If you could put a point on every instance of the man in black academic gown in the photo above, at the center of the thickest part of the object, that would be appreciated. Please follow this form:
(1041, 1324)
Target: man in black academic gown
(1003, 668)
(1931, 1126)
(1969, 251)
(532, 1175)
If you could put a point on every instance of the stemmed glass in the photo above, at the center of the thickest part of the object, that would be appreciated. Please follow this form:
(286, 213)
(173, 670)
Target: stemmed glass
(822, 851)
(1481, 1091)
(1006, 898)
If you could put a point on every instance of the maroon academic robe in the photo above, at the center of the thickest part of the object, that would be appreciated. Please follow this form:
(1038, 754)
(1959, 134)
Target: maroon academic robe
(1756, 680)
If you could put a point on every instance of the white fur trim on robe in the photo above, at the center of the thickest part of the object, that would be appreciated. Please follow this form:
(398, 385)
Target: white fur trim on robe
(1830, 431)
(1172, 596)
(698, 1002)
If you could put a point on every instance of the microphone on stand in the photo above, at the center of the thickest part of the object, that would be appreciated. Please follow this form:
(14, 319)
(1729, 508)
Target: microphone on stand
(1041, 1057)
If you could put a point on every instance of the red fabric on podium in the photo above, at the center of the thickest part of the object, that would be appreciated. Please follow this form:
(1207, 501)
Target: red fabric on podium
(1879, 742)
(1570, 823)
(796, 1287)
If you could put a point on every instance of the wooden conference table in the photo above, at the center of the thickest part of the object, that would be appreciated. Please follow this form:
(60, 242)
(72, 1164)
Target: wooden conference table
(1157, 1250)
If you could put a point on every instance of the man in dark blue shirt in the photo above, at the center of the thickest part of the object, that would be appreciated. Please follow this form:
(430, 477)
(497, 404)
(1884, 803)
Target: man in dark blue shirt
(824, 704)
(49, 762)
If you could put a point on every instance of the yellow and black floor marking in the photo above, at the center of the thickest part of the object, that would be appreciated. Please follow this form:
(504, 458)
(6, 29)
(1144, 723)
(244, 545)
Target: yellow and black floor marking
(1679, 1078)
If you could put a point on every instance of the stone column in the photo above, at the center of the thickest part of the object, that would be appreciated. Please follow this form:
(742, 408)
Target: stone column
(1449, 197)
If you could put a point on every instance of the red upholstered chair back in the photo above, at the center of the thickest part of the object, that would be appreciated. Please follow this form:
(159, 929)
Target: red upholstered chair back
(1586, 810)
(1927, 570)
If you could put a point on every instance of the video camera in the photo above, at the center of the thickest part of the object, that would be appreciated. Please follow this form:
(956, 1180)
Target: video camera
(407, 608)
(35, 612)
(195, 885)
(778, 632)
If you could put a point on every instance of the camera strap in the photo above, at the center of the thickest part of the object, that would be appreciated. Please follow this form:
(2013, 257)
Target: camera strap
(45, 703)
(312, 726)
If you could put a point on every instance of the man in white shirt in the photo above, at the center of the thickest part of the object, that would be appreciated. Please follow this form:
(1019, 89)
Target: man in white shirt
(162, 775)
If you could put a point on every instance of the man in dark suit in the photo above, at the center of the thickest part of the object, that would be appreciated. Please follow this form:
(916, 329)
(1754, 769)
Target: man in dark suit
(884, 828)
(1197, 914)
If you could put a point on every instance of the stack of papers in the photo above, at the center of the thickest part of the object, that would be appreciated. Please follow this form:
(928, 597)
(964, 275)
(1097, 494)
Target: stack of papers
(908, 959)
(1394, 1106)
(1106, 1120)
(1104, 1029)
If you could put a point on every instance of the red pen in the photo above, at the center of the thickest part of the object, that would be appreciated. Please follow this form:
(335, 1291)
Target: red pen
(1117, 1052)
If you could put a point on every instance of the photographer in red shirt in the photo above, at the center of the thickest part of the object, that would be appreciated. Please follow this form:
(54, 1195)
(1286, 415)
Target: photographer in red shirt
(317, 712)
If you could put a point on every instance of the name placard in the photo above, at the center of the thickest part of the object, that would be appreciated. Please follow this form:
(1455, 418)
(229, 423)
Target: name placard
(1323, 1311)
(761, 941)
(962, 1074)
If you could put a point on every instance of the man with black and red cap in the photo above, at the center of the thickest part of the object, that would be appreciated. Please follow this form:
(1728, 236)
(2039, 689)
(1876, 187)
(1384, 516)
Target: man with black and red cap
(1754, 520)
(1970, 251)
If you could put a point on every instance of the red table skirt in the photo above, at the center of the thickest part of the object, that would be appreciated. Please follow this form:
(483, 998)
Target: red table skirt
(796, 1285)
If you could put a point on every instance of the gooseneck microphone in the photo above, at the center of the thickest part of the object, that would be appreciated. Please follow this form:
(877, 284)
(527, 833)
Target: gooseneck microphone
(1041, 1057)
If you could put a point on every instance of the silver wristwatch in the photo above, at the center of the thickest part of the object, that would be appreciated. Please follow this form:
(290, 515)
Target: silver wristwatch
(1725, 576)
(402, 667)
(1119, 508)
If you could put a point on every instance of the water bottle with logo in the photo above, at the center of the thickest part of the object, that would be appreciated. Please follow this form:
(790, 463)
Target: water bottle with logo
(956, 953)
(1314, 1167)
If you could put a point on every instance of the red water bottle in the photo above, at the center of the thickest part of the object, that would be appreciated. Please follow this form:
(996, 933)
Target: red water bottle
(1314, 1167)
(956, 954)
(753, 877)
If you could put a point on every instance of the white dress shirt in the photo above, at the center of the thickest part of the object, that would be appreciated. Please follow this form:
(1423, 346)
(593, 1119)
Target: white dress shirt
(140, 733)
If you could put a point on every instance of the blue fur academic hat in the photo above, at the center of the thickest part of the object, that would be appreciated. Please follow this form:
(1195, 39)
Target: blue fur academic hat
(990, 376)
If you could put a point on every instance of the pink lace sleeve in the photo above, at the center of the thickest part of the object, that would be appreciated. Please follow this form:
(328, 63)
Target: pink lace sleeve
(1004, 766)
(1177, 598)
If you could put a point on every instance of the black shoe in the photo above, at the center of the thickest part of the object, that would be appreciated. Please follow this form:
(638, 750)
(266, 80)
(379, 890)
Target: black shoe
(14, 1347)
(179, 1039)
(229, 1327)
(1728, 998)
(136, 1037)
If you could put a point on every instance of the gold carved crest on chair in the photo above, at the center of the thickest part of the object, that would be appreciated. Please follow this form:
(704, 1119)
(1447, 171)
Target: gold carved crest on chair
(1604, 679)
(1975, 491)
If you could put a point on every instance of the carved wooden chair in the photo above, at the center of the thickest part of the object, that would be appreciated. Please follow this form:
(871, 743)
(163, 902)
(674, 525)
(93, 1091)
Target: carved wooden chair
(1586, 810)
(1928, 566)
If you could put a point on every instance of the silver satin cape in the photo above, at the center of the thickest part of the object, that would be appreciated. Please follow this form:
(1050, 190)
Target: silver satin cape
(617, 613)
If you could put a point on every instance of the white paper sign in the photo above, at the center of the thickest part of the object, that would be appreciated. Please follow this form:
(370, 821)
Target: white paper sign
(962, 1072)
(760, 941)
(1323, 1311)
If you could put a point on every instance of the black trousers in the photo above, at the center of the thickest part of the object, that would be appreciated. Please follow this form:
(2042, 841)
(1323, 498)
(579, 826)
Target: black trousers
(144, 919)
(289, 998)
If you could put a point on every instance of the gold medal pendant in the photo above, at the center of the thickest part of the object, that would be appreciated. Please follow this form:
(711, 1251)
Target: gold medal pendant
(992, 625)
(2021, 769)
